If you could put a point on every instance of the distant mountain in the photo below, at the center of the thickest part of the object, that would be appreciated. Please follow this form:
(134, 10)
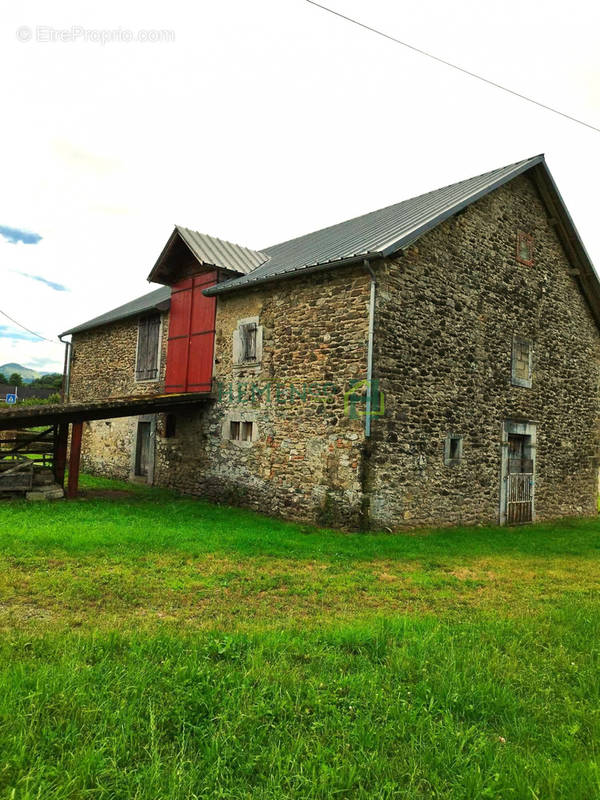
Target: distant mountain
(27, 374)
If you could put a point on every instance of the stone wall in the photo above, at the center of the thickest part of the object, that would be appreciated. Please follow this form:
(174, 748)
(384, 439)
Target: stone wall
(305, 460)
(103, 362)
(103, 365)
(447, 311)
(107, 447)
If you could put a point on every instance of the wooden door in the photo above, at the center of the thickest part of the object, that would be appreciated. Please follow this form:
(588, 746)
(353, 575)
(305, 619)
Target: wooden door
(520, 480)
(143, 452)
(191, 336)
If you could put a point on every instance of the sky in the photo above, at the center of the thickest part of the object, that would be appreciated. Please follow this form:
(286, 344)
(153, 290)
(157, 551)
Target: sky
(257, 122)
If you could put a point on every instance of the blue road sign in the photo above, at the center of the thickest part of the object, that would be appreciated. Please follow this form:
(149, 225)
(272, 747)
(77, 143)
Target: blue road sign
(11, 398)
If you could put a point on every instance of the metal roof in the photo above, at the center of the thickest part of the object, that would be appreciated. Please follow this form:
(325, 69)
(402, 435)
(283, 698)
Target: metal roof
(220, 253)
(208, 252)
(377, 234)
(131, 309)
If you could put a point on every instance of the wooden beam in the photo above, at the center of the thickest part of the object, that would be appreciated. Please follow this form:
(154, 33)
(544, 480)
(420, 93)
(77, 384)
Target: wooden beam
(74, 458)
(23, 416)
(60, 453)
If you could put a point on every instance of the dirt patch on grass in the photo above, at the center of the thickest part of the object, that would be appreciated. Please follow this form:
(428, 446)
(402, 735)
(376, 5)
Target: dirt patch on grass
(106, 494)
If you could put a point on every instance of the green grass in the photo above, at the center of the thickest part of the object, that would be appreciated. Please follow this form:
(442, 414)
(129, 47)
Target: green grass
(153, 646)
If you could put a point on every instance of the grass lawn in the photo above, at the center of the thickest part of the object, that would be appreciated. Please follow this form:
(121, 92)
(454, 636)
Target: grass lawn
(159, 647)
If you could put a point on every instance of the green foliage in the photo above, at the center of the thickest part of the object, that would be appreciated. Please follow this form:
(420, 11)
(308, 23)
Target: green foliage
(3, 378)
(15, 379)
(40, 401)
(161, 647)
(51, 381)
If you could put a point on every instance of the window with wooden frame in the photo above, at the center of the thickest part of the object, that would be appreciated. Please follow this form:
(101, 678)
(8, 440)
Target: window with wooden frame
(248, 333)
(453, 449)
(247, 343)
(241, 431)
(148, 348)
(522, 362)
(525, 248)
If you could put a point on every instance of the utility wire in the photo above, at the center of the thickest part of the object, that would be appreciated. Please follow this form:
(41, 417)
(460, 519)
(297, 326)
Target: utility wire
(454, 66)
(43, 338)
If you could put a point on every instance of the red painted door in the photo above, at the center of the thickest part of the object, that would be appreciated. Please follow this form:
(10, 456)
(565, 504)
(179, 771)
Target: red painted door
(191, 336)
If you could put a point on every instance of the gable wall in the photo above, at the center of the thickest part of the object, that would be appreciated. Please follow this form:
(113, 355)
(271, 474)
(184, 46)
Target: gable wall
(447, 311)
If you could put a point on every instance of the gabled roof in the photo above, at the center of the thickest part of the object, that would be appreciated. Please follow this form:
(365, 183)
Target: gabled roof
(377, 234)
(208, 251)
(158, 299)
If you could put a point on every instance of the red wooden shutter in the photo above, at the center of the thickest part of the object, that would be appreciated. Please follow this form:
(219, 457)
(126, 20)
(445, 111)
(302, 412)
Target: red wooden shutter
(191, 336)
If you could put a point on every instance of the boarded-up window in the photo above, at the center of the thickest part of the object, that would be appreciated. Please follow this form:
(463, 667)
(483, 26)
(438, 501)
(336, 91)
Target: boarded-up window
(146, 368)
(248, 340)
(522, 356)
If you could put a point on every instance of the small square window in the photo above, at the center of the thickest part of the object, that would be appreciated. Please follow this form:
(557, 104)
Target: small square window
(453, 449)
(525, 248)
(241, 431)
(522, 357)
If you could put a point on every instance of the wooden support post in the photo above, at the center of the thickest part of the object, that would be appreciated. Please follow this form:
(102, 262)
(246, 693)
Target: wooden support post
(74, 457)
(60, 453)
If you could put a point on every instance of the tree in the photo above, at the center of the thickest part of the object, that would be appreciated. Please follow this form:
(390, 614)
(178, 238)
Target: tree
(15, 379)
(3, 378)
(53, 380)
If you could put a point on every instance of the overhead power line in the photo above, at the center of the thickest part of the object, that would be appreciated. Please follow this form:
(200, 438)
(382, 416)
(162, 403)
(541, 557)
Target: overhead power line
(33, 333)
(454, 66)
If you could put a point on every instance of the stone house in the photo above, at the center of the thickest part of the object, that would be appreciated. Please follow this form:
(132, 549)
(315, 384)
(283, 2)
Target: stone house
(435, 362)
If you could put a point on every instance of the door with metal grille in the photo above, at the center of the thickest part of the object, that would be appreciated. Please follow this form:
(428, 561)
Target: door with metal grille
(520, 480)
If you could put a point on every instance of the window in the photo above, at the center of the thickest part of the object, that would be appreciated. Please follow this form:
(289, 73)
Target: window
(248, 337)
(170, 426)
(522, 354)
(148, 348)
(247, 342)
(525, 248)
(453, 449)
(241, 431)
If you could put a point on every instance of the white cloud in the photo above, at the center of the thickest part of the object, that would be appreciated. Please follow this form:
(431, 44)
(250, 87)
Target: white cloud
(262, 121)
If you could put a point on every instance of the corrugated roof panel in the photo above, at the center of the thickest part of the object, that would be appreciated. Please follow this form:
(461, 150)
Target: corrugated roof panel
(220, 253)
(131, 309)
(379, 232)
